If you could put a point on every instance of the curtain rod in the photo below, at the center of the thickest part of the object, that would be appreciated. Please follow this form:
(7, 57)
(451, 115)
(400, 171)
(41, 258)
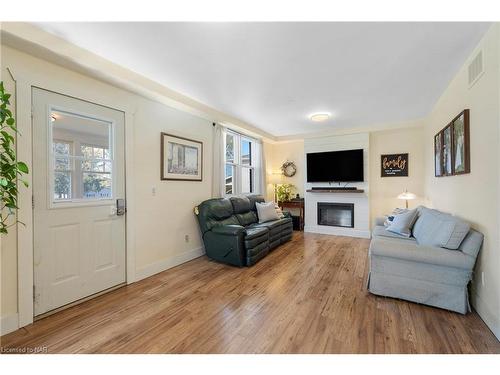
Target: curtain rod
(240, 133)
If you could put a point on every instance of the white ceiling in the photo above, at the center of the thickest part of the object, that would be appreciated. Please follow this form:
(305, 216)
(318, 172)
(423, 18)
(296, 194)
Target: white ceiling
(273, 75)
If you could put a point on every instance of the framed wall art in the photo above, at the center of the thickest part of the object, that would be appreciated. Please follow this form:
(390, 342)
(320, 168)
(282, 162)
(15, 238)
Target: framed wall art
(452, 147)
(447, 151)
(461, 146)
(438, 157)
(394, 165)
(181, 158)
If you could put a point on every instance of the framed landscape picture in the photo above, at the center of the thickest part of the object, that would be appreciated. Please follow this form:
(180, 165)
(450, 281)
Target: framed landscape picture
(452, 147)
(181, 158)
(461, 147)
(447, 151)
(438, 157)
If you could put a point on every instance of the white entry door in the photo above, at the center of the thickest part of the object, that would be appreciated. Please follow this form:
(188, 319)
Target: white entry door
(78, 176)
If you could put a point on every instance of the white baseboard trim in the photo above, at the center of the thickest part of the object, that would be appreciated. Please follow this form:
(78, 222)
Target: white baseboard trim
(9, 323)
(157, 267)
(492, 320)
(338, 231)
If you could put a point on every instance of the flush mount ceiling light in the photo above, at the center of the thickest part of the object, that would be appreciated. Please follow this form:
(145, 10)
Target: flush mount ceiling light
(319, 117)
(53, 118)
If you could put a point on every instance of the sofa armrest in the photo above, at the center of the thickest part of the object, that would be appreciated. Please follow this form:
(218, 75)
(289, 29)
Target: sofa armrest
(228, 230)
(225, 243)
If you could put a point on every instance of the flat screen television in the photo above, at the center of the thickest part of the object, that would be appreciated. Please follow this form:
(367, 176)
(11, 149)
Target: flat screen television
(335, 166)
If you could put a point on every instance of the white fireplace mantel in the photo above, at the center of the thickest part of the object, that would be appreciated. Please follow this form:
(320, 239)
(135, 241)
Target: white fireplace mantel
(360, 199)
(361, 214)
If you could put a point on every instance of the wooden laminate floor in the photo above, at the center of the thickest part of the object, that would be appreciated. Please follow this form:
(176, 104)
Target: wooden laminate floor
(307, 296)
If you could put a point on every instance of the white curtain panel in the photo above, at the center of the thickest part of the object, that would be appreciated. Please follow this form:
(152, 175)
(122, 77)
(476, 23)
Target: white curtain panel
(218, 187)
(260, 169)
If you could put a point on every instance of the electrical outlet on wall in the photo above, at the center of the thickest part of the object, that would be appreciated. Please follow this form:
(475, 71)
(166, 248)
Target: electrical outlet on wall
(153, 191)
(186, 238)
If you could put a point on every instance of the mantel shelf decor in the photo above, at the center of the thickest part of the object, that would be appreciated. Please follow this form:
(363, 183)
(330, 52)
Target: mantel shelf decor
(349, 191)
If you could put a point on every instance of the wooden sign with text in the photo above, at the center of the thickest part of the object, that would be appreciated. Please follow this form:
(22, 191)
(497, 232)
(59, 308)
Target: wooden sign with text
(394, 165)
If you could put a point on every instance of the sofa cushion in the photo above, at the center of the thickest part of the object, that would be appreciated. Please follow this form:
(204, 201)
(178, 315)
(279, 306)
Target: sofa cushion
(247, 218)
(266, 212)
(241, 204)
(255, 237)
(255, 232)
(402, 223)
(472, 243)
(214, 212)
(435, 228)
(253, 198)
(229, 230)
(286, 221)
(271, 225)
(380, 231)
(411, 251)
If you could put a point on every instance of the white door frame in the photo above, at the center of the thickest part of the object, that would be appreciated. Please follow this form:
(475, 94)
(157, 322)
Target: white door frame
(24, 81)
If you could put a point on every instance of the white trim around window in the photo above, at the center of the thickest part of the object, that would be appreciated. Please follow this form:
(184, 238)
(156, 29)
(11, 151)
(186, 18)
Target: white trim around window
(241, 164)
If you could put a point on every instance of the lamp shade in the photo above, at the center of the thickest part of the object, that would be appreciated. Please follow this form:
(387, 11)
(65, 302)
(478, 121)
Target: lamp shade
(275, 178)
(407, 196)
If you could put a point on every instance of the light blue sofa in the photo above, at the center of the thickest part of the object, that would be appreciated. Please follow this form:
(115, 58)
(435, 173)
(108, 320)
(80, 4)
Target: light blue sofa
(432, 267)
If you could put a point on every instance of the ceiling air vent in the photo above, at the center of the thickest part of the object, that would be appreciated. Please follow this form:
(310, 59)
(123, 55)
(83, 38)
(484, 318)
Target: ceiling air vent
(476, 69)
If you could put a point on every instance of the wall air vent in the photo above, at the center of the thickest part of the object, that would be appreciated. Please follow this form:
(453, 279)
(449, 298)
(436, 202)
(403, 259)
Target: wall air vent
(476, 69)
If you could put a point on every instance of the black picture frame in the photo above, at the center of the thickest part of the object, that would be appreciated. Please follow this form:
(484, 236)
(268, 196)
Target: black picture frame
(447, 151)
(452, 147)
(180, 142)
(438, 154)
(394, 165)
(461, 143)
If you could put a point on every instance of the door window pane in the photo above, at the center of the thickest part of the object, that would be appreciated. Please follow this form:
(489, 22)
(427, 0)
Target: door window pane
(96, 185)
(81, 157)
(62, 164)
(61, 148)
(229, 179)
(62, 169)
(62, 185)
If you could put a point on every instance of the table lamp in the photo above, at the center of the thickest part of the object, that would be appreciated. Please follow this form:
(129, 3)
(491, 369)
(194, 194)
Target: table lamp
(275, 178)
(407, 196)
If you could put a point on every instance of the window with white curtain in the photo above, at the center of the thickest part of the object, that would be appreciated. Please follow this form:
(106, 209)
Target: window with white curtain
(240, 164)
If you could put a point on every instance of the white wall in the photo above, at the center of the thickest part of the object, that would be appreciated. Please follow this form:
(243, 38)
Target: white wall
(474, 196)
(161, 221)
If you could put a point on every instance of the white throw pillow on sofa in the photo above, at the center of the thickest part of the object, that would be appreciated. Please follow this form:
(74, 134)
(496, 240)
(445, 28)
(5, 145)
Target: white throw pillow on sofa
(266, 212)
(279, 211)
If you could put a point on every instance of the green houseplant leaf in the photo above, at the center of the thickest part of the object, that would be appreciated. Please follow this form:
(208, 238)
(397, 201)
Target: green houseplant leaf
(284, 192)
(10, 168)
